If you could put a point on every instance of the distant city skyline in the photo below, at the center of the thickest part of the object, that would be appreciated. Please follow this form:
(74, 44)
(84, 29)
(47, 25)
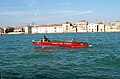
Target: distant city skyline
(22, 12)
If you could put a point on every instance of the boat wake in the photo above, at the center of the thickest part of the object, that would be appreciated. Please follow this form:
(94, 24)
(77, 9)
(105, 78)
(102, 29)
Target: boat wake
(90, 45)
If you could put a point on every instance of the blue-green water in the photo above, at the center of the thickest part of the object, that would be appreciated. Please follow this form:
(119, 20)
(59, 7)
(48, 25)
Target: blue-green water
(20, 59)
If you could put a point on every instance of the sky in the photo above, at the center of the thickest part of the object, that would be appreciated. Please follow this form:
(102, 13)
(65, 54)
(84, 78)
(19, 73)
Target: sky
(24, 12)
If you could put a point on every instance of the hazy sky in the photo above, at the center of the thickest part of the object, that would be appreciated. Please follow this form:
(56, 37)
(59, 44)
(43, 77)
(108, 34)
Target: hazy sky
(22, 12)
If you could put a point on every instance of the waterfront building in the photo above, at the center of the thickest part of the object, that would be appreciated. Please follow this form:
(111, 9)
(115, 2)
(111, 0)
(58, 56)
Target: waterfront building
(107, 28)
(96, 27)
(28, 29)
(4, 30)
(110, 28)
(92, 27)
(68, 27)
(117, 24)
(74, 29)
(48, 28)
(82, 26)
(101, 27)
(1, 30)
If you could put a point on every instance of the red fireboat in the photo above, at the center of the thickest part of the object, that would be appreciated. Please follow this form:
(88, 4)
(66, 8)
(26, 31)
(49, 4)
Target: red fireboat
(72, 43)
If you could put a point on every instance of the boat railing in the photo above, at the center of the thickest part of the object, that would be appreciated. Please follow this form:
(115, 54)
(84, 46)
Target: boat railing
(56, 41)
(61, 41)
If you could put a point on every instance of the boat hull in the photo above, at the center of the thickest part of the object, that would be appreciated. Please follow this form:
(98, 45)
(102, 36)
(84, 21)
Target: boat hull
(61, 44)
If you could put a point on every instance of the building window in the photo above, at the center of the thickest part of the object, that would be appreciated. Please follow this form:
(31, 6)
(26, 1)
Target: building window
(66, 27)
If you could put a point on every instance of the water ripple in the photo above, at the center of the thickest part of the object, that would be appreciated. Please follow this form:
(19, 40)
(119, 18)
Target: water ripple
(19, 59)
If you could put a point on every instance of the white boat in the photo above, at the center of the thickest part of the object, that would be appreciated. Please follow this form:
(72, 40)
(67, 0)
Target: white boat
(15, 33)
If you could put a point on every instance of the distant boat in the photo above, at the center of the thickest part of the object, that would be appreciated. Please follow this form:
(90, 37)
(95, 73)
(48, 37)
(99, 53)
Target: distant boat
(15, 33)
(72, 43)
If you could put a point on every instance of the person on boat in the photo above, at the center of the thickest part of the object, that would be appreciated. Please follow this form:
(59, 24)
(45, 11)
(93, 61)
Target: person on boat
(45, 39)
(73, 40)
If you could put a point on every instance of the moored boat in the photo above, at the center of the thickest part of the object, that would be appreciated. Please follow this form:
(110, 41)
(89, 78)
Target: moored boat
(72, 43)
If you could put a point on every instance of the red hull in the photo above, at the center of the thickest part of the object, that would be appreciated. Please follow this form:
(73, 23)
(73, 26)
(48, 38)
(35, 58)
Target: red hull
(61, 44)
